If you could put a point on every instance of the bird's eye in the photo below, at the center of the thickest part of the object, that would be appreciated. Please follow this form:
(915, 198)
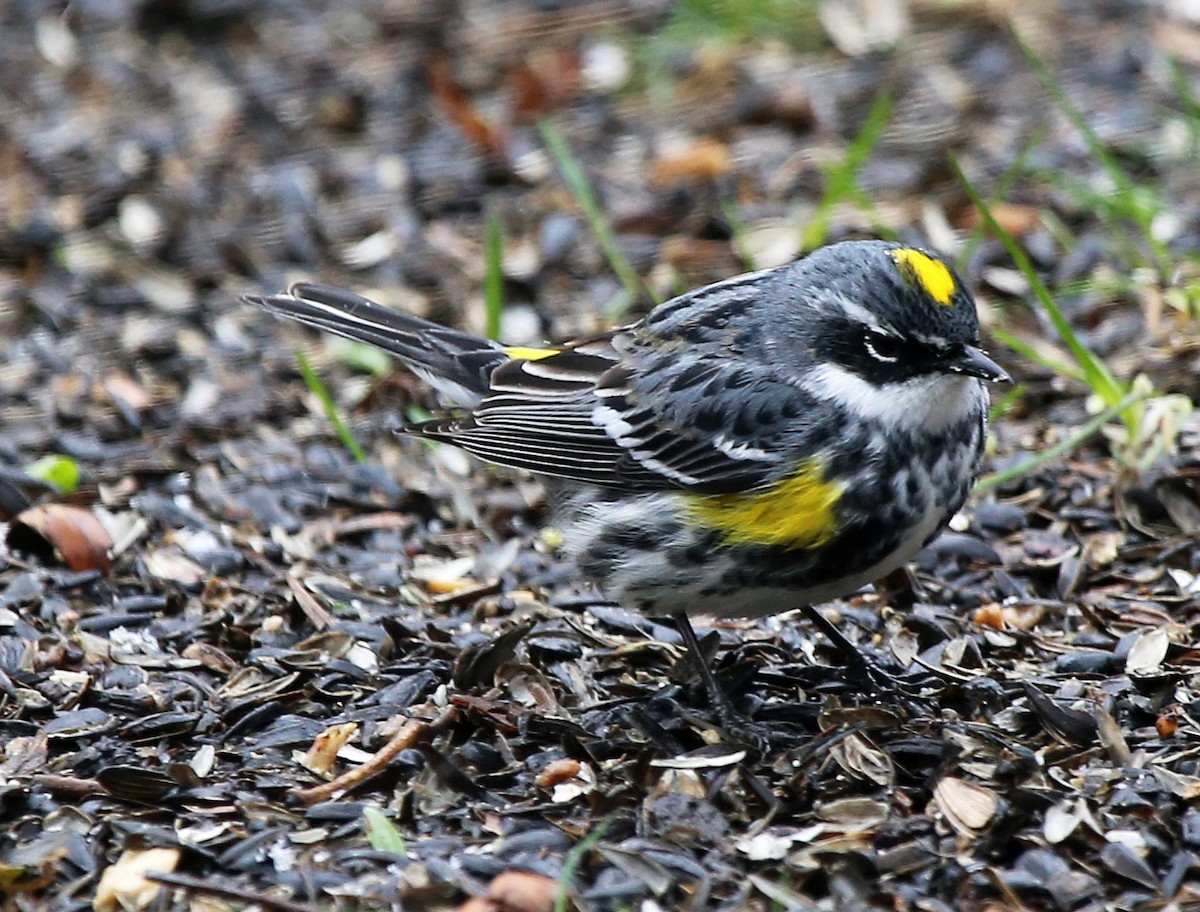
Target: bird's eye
(883, 347)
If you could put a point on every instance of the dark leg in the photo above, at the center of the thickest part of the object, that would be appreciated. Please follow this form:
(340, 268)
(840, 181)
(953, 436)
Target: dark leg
(726, 714)
(849, 652)
(868, 671)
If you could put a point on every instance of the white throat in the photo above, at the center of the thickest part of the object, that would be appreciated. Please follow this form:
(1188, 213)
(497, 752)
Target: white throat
(931, 402)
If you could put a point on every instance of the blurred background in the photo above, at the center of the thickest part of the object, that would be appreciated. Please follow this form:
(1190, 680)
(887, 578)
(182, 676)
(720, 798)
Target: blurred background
(158, 158)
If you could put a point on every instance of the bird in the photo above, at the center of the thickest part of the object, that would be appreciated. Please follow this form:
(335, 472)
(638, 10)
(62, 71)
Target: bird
(768, 442)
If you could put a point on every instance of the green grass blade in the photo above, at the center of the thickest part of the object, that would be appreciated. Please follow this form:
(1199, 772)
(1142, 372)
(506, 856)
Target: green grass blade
(1182, 87)
(317, 388)
(1005, 403)
(1064, 446)
(840, 180)
(581, 188)
(867, 207)
(1008, 180)
(1095, 145)
(1095, 372)
(361, 356)
(382, 833)
(1027, 351)
(493, 276)
(572, 862)
(1132, 197)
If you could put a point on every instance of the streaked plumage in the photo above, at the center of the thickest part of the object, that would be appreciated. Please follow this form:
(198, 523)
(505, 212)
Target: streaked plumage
(778, 438)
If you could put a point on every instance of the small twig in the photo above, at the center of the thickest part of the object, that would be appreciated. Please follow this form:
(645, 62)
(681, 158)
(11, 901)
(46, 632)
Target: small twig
(313, 610)
(243, 894)
(67, 785)
(413, 731)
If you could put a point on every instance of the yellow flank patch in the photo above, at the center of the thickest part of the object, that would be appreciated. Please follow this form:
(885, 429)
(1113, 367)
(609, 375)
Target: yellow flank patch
(933, 276)
(798, 512)
(529, 354)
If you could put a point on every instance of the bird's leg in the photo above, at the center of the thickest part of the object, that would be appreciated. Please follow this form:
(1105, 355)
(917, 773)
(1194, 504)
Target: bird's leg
(854, 658)
(728, 717)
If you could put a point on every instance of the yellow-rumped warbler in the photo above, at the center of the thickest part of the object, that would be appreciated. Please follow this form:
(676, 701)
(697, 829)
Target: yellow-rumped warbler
(760, 444)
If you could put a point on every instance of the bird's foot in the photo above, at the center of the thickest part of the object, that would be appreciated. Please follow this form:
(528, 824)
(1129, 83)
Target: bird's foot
(740, 730)
(862, 668)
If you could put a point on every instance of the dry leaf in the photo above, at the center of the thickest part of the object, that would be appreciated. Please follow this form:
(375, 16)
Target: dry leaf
(457, 105)
(859, 757)
(558, 771)
(124, 885)
(704, 160)
(72, 533)
(168, 564)
(546, 80)
(322, 753)
(520, 891)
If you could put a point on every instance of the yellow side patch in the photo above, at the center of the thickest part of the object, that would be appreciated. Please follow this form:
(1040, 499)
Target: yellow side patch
(932, 276)
(798, 512)
(529, 354)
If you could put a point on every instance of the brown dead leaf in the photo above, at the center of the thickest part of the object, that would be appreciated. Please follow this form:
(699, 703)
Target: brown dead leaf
(546, 80)
(1015, 218)
(457, 105)
(1010, 617)
(322, 753)
(558, 771)
(520, 891)
(73, 534)
(704, 160)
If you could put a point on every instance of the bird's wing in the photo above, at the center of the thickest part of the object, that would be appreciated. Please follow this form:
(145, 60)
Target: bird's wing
(621, 413)
(537, 415)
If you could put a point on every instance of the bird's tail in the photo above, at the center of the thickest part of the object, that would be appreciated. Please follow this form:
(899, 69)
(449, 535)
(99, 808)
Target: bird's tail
(455, 363)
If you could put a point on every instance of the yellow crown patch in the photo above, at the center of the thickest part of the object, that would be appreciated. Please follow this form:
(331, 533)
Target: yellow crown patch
(930, 275)
(798, 512)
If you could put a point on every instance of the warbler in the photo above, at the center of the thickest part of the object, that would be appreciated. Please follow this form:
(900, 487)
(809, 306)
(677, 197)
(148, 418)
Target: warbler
(767, 442)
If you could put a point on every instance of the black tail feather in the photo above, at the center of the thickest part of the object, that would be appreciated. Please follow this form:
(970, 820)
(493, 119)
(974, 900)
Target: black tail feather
(462, 360)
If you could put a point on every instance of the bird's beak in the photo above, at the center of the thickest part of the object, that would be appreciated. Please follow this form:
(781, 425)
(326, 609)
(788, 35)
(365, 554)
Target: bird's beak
(974, 363)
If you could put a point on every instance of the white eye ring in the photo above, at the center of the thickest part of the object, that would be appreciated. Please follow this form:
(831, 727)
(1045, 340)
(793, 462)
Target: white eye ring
(874, 353)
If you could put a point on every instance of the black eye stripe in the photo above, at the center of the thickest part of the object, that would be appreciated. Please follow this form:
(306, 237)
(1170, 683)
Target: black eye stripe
(885, 349)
